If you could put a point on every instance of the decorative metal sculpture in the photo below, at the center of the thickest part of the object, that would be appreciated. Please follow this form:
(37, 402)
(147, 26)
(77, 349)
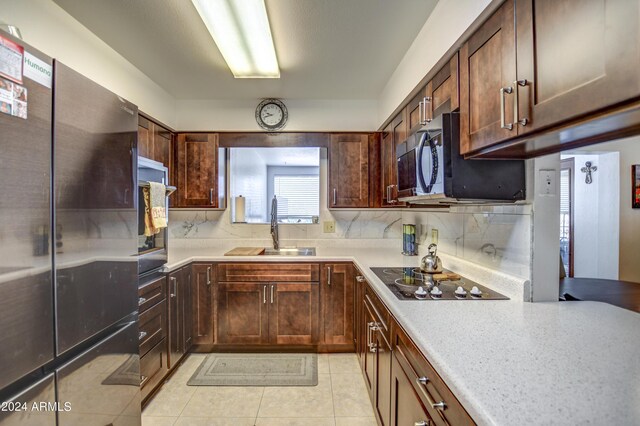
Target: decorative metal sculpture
(588, 169)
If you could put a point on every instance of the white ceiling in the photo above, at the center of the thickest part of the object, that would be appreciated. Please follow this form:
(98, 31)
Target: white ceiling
(327, 49)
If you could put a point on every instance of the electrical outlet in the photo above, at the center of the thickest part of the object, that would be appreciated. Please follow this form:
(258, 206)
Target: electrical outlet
(434, 236)
(547, 182)
(329, 227)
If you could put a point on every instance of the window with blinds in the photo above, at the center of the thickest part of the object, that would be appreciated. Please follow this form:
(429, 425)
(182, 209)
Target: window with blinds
(298, 197)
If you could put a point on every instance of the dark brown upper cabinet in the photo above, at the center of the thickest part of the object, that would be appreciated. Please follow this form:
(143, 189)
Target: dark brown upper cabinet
(574, 57)
(349, 170)
(487, 73)
(154, 141)
(443, 90)
(536, 68)
(394, 134)
(198, 172)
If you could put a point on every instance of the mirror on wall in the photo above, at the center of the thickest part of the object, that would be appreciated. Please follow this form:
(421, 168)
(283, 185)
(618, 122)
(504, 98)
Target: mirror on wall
(292, 175)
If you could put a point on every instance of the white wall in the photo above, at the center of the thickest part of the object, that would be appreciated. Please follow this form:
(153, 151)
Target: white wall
(304, 115)
(596, 217)
(447, 23)
(48, 28)
(629, 245)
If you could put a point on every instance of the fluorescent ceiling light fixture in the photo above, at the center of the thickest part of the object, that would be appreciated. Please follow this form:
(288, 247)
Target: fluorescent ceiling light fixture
(241, 30)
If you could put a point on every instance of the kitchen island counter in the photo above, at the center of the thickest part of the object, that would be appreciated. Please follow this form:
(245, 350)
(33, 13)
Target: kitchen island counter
(508, 362)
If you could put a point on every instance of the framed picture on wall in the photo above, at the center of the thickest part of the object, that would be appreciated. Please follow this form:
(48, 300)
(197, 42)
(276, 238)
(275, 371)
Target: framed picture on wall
(635, 186)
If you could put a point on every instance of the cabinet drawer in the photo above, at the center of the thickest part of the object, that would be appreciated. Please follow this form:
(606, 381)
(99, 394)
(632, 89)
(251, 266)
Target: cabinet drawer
(433, 390)
(151, 293)
(268, 272)
(379, 310)
(153, 324)
(153, 368)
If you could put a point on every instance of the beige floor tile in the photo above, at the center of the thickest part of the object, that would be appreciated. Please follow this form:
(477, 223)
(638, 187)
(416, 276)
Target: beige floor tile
(280, 421)
(323, 364)
(224, 402)
(298, 401)
(170, 400)
(350, 397)
(355, 421)
(158, 421)
(215, 421)
(187, 368)
(344, 363)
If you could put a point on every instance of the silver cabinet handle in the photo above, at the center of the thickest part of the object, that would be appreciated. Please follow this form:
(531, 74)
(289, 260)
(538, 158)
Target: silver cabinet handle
(264, 294)
(142, 335)
(393, 199)
(143, 380)
(427, 100)
(360, 278)
(422, 380)
(141, 300)
(210, 195)
(329, 275)
(422, 112)
(272, 286)
(175, 286)
(503, 91)
(209, 275)
(335, 196)
(372, 327)
(388, 194)
(422, 423)
(516, 113)
(440, 405)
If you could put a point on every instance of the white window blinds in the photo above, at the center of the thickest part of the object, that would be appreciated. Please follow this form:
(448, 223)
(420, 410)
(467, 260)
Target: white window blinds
(298, 197)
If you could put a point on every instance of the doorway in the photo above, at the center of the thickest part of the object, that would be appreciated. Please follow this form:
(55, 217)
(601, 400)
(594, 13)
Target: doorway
(567, 167)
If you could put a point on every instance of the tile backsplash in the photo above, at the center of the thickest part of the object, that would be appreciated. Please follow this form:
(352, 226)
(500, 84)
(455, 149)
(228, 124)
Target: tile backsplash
(497, 237)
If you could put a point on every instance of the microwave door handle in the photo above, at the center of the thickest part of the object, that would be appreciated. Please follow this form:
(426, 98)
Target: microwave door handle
(421, 181)
(436, 163)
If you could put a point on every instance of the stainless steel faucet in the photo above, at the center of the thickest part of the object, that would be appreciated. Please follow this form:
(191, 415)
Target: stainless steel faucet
(274, 223)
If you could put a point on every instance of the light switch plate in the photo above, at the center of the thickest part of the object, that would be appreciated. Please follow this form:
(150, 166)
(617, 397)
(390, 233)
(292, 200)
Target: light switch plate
(329, 227)
(434, 236)
(547, 182)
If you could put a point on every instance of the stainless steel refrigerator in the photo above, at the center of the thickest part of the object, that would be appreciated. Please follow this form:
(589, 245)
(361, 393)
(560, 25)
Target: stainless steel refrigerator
(68, 246)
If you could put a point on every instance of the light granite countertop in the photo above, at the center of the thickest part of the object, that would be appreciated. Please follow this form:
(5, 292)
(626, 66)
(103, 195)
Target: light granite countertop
(508, 362)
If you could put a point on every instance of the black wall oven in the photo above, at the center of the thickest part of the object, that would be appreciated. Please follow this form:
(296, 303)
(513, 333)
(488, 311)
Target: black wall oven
(152, 251)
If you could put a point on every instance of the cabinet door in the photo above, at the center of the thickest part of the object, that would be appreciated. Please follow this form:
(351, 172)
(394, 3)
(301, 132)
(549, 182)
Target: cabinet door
(575, 57)
(294, 317)
(349, 170)
(443, 91)
(399, 127)
(186, 296)
(487, 73)
(197, 171)
(203, 317)
(145, 137)
(338, 293)
(382, 388)
(243, 313)
(175, 313)
(406, 406)
(387, 165)
(162, 145)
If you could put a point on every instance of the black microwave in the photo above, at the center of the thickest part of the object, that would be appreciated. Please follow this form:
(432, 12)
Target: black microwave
(432, 171)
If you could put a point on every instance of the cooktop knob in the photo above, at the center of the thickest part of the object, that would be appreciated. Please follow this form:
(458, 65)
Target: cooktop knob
(436, 292)
(460, 292)
(475, 291)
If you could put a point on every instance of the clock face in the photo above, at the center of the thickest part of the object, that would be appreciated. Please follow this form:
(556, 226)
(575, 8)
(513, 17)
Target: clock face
(271, 114)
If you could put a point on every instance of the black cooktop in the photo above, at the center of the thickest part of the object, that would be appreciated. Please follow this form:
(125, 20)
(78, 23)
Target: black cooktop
(403, 282)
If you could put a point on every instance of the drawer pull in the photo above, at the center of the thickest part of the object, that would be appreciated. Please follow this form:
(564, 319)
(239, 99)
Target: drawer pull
(422, 380)
(142, 335)
(143, 380)
(440, 405)
(209, 275)
(141, 300)
(360, 278)
(422, 423)
(504, 90)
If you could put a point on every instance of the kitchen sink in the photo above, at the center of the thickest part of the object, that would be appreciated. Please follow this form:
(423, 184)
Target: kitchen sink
(290, 251)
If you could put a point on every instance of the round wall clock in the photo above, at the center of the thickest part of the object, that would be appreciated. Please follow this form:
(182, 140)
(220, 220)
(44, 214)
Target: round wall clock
(271, 114)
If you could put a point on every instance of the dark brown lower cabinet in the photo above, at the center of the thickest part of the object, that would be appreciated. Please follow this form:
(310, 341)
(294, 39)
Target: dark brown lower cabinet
(180, 318)
(268, 313)
(338, 280)
(203, 303)
(406, 406)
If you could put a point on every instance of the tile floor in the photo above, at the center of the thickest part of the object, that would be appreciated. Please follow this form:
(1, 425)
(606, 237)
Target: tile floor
(340, 399)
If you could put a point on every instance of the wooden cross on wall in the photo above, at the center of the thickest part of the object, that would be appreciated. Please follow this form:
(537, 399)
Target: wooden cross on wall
(588, 168)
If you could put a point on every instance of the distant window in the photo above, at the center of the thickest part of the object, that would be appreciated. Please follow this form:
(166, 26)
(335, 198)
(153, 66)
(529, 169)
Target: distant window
(298, 197)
